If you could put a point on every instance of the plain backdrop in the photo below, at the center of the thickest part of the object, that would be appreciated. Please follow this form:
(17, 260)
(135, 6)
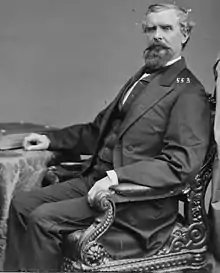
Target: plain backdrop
(61, 61)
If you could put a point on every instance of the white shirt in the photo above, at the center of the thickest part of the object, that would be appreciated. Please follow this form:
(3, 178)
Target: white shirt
(112, 174)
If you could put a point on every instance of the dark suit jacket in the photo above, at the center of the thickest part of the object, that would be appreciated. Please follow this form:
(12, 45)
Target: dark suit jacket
(162, 142)
(164, 137)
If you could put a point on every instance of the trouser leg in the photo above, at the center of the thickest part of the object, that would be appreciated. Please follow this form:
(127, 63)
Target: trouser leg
(46, 228)
(21, 207)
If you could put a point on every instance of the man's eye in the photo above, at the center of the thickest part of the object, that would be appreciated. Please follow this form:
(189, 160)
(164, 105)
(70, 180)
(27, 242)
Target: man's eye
(148, 29)
(167, 28)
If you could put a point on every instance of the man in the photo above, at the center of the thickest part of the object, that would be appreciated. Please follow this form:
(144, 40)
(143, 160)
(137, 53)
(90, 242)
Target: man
(155, 133)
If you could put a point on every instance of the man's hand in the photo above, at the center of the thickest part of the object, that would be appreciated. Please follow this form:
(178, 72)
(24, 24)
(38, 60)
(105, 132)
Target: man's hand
(36, 142)
(101, 185)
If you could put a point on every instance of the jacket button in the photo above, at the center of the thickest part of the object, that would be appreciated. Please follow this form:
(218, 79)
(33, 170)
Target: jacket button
(130, 148)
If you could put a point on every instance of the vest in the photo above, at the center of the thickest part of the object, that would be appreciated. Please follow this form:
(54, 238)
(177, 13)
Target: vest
(104, 159)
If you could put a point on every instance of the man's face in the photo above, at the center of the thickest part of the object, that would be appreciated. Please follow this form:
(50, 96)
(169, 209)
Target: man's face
(164, 38)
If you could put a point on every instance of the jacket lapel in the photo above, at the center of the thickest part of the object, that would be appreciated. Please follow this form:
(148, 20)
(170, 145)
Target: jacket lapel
(158, 88)
(123, 90)
(113, 105)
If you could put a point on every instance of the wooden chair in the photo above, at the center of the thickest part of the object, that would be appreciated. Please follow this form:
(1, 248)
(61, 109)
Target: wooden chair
(186, 249)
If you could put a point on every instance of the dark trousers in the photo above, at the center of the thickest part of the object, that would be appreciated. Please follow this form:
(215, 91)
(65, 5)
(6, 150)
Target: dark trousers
(39, 219)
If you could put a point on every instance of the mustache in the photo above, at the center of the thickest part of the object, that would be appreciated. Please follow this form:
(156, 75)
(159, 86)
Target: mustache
(157, 46)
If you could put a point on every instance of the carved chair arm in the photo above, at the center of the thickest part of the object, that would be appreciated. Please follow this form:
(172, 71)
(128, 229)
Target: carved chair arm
(127, 192)
(85, 242)
(102, 200)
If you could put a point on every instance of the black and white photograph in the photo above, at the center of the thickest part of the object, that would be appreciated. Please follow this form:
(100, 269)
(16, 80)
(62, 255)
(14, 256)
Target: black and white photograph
(110, 136)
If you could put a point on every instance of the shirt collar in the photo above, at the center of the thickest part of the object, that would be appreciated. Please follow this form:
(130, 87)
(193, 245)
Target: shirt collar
(173, 61)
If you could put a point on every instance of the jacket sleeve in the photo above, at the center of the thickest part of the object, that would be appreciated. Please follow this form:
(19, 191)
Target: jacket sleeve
(185, 145)
(79, 138)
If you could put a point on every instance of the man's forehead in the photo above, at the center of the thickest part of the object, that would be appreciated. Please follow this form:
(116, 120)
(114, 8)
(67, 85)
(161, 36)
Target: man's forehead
(169, 17)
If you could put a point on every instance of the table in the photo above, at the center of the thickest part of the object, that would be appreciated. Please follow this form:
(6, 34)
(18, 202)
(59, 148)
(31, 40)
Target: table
(19, 171)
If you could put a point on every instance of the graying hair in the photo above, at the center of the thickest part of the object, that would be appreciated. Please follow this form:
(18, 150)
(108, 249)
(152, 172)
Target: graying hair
(186, 24)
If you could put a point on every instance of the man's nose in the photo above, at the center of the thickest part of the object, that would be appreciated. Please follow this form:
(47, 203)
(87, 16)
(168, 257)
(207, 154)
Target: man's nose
(158, 35)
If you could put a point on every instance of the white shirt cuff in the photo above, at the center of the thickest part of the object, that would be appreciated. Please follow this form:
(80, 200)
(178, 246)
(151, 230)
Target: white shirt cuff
(113, 177)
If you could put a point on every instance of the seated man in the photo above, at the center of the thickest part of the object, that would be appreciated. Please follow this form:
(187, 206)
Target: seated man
(154, 133)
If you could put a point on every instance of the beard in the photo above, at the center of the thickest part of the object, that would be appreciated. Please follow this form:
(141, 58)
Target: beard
(156, 56)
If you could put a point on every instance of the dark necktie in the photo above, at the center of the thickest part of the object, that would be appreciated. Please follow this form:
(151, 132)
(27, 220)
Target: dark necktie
(135, 92)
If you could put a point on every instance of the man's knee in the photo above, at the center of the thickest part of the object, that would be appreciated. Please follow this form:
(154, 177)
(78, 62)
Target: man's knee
(24, 202)
(18, 202)
(17, 213)
(41, 216)
(22, 205)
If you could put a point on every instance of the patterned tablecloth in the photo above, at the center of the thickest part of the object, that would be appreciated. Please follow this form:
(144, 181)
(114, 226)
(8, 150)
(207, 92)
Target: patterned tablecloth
(19, 170)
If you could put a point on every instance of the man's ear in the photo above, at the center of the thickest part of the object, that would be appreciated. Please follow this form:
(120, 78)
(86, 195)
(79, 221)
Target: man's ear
(216, 65)
(185, 38)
